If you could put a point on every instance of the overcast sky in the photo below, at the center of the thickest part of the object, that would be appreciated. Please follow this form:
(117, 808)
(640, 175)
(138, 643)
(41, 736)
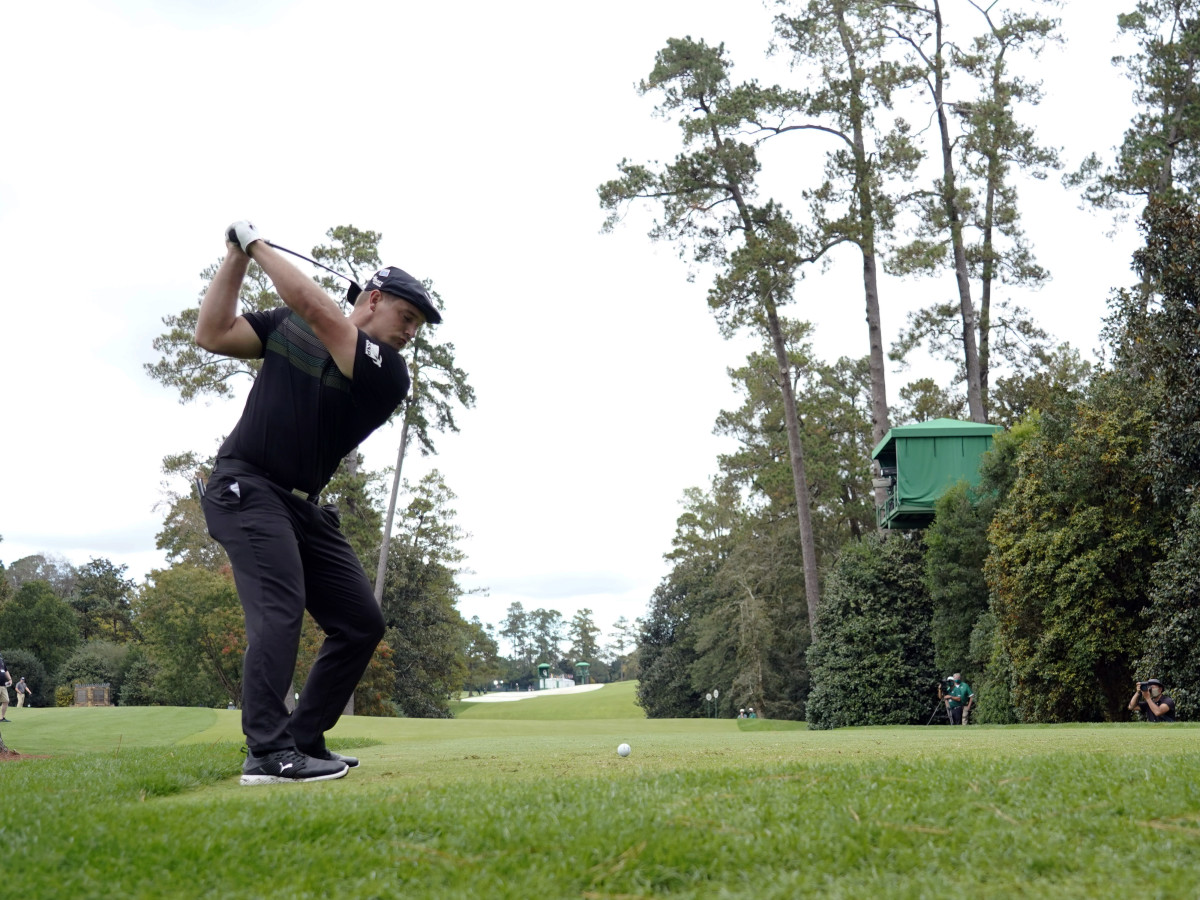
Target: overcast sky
(473, 136)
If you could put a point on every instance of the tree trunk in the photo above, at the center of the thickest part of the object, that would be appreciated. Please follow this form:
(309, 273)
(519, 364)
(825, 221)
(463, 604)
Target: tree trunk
(808, 549)
(866, 221)
(954, 216)
(381, 570)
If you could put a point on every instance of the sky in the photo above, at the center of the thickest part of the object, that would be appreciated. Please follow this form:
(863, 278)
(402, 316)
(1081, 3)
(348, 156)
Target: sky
(472, 135)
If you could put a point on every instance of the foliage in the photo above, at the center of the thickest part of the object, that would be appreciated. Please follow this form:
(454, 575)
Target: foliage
(424, 630)
(373, 695)
(358, 494)
(137, 678)
(184, 535)
(194, 634)
(1074, 543)
(95, 662)
(35, 619)
(1157, 344)
(53, 569)
(872, 660)
(993, 691)
(707, 198)
(102, 599)
(584, 634)
(23, 664)
(193, 371)
(833, 403)
(955, 549)
(1160, 154)
(667, 642)
(1172, 619)
(482, 657)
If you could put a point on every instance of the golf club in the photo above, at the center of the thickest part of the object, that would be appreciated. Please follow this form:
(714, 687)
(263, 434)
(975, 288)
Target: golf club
(352, 292)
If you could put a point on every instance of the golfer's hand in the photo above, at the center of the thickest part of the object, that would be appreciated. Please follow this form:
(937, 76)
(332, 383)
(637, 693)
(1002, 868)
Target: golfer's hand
(243, 234)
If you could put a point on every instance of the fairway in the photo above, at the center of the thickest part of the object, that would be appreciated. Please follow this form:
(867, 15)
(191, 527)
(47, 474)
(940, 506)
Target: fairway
(144, 802)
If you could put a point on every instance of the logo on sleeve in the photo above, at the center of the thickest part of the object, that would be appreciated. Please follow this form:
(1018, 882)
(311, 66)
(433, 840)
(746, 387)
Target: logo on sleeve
(374, 354)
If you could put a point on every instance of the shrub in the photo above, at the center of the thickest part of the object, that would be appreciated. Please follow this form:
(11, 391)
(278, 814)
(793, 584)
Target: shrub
(872, 662)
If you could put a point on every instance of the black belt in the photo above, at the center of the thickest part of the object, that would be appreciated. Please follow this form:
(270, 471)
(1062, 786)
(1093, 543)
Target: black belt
(241, 467)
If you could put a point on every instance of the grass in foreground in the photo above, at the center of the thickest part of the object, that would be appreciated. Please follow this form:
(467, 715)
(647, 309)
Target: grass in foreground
(547, 809)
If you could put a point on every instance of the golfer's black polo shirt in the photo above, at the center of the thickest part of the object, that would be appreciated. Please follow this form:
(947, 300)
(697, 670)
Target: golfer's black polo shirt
(303, 415)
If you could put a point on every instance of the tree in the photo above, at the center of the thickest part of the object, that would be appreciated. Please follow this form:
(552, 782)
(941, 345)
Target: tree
(1074, 543)
(35, 619)
(975, 190)
(6, 589)
(53, 569)
(95, 662)
(483, 656)
(707, 199)
(1156, 345)
(872, 661)
(667, 642)
(102, 599)
(955, 549)
(833, 406)
(185, 366)
(1172, 618)
(1160, 154)
(584, 636)
(437, 384)
(517, 629)
(840, 45)
(546, 633)
(184, 535)
(424, 630)
(924, 399)
(195, 635)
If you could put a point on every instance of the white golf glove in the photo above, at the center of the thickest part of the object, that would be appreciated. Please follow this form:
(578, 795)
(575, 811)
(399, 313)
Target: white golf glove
(243, 234)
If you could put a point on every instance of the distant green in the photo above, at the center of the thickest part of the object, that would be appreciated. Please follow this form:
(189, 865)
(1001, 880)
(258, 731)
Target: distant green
(144, 803)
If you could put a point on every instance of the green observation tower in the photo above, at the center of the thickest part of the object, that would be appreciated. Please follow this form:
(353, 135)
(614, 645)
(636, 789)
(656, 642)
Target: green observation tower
(919, 463)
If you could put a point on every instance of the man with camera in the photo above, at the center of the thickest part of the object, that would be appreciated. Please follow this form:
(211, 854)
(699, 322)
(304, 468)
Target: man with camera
(1151, 702)
(959, 699)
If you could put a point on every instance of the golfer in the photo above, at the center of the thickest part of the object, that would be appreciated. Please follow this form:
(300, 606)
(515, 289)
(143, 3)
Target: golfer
(327, 381)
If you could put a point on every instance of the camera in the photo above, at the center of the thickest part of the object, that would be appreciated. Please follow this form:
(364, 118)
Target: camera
(1143, 685)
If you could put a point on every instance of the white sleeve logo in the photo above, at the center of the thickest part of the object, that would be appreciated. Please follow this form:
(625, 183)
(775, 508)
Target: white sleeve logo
(373, 353)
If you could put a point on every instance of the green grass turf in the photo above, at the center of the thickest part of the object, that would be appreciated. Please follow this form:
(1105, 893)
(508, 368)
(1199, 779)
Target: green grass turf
(539, 808)
(612, 701)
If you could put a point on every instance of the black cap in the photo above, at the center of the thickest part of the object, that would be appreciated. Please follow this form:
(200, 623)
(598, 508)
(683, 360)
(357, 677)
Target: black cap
(1153, 681)
(399, 283)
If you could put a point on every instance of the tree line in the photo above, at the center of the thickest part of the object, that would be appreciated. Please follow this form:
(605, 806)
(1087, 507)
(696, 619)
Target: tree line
(1064, 574)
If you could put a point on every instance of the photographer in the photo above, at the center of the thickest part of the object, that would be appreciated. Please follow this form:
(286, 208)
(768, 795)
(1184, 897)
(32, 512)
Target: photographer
(1152, 703)
(959, 699)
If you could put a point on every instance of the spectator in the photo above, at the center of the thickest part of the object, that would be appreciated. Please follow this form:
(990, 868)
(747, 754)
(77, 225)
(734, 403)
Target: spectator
(1152, 703)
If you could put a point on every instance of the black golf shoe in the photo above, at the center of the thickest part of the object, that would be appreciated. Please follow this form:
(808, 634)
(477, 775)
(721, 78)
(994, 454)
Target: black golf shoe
(288, 766)
(329, 755)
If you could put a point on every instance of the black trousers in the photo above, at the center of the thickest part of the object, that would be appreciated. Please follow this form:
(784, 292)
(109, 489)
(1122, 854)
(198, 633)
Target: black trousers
(288, 555)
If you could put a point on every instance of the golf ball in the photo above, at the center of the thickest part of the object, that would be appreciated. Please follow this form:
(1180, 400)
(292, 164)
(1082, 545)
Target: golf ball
(623, 750)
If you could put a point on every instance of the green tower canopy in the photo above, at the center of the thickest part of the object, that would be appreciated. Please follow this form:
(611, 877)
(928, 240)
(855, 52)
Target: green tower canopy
(925, 460)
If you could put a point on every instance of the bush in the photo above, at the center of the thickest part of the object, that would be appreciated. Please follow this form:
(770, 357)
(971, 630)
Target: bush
(872, 662)
(1173, 619)
(64, 695)
(96, 662)
(23, 663)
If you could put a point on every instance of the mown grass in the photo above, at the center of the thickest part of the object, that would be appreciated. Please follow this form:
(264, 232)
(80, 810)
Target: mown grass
(538, 808)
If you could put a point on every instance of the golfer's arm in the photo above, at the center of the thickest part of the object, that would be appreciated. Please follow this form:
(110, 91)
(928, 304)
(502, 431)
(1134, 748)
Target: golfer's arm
(219, 328)
(306, 299)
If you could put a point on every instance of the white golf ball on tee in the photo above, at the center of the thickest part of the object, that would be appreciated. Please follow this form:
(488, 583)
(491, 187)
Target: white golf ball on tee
(623, 750)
